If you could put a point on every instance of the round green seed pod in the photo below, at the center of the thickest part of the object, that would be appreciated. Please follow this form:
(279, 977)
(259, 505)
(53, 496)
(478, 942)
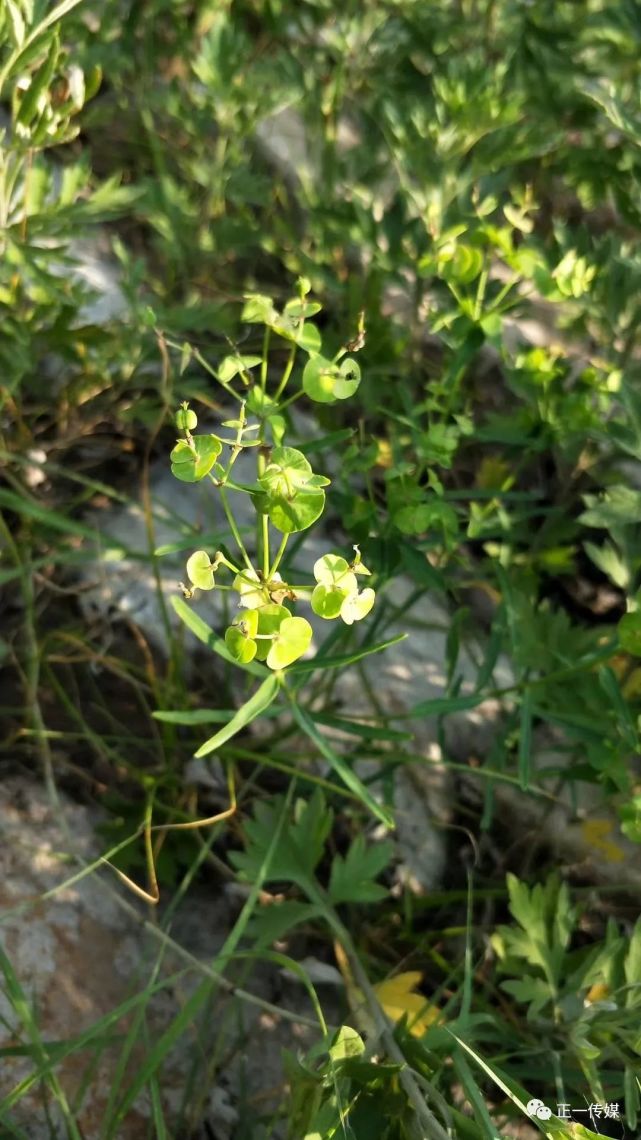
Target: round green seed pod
(186, 420)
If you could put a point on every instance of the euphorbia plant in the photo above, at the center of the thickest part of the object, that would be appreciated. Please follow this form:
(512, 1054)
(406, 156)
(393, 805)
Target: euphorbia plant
(288, 496)
(266, 637)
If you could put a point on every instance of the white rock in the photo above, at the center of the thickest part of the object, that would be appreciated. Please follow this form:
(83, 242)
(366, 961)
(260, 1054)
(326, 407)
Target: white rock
(94, 266)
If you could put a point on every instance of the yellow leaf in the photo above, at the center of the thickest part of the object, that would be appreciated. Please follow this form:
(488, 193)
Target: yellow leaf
(598, 992)
(595, 833)
(397, 998)
(632, 688)
(494, 475)
(384, 457)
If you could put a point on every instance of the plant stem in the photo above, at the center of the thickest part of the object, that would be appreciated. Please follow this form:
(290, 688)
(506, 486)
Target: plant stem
(234, 529)
(265, 545)
(430, 1126)
(263, 363)
(286, 374)
(480, 292)
(31, 668)
(279, 557)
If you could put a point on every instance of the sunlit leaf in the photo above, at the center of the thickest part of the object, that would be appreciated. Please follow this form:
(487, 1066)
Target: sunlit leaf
(250, 588)
(357, 606)
(332, 570)
(199, 570)
(270, 619)
(261, 700)
(192, 460)
(293, 497)
(326, 601)
(326, 381)
(239, 638)
(292, 641)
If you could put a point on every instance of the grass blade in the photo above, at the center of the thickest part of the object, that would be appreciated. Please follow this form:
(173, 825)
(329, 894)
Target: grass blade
(475, 1097)
(349, 777)
(344, 659)
(360, 728)
(553, 1129)
(18, 1000)
(440, 706)
(44, 515)
(525, 739)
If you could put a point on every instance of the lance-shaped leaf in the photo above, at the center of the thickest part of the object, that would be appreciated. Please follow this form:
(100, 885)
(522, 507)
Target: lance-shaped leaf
(248, 712)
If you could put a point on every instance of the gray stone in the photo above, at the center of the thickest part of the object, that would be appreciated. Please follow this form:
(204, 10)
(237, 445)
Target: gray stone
(80, 949)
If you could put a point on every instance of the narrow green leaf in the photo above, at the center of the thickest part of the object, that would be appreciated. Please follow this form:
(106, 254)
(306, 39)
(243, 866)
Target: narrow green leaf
(344, 659)
(475, 1097)
(553, 1129)
(44, 515)
(612, 689)
(193, 716)
(160, 1128)
(438, 706)
(349, 777)
(632, 1095)
(358, 728)
(248, 712)
(525, 739)
(632, 968)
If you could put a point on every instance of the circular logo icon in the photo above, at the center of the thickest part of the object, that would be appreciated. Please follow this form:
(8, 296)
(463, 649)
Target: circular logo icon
(544, 1113)
(533, 1106)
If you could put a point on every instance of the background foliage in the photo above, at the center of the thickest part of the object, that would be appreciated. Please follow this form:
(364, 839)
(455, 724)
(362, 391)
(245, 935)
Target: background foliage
(462, 194)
